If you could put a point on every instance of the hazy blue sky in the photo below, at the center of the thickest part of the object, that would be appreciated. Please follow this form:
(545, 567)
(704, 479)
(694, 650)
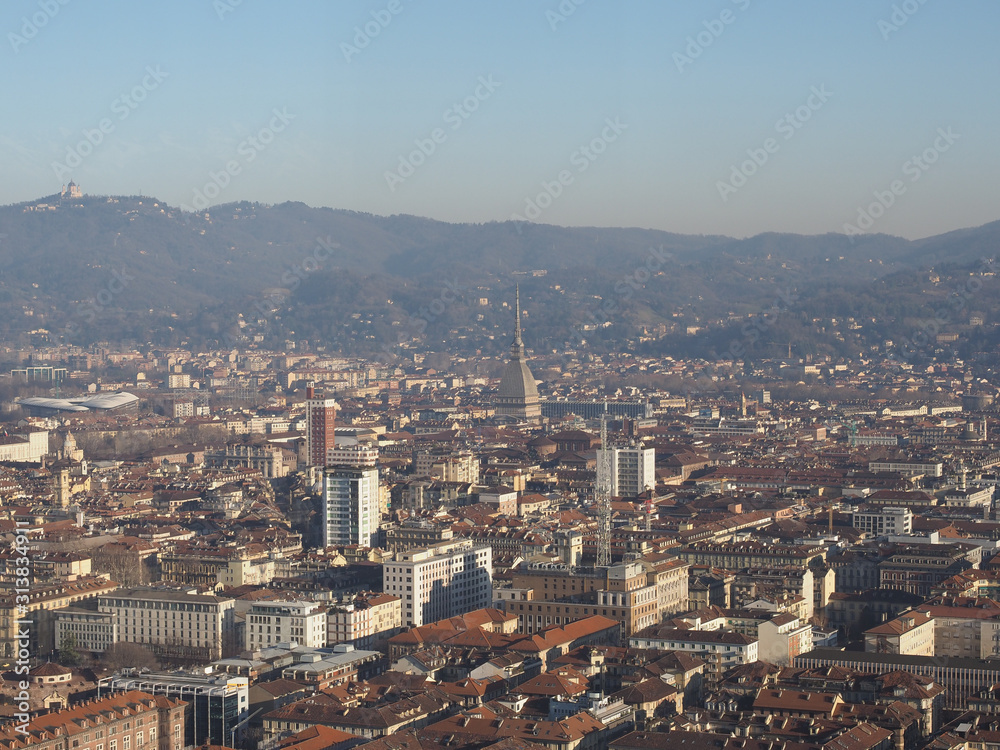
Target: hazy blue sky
(866, 93)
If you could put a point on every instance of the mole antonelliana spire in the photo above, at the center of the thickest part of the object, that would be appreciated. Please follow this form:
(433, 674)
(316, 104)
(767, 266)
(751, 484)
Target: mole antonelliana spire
(518, 394)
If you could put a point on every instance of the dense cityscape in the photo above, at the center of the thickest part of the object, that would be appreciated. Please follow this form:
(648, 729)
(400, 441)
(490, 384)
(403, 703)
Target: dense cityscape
(287, 549)
(521, 375)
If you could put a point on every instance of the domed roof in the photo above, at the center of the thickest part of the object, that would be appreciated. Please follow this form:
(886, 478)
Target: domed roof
(50, 669)
(517, 381)
(542, 440)
(518, 393)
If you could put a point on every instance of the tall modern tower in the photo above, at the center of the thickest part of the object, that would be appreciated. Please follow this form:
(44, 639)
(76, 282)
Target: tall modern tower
(633, 470)
(321, 414)
(350, 506)
(518, 394)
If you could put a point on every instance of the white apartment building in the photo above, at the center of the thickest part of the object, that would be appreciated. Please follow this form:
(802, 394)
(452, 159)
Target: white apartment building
(444, 580)
(29, 446)
(782, 638)
(352, 455)
(633, 470)
(910, 634)
(363, 620)
(883, 521)
(91, 631)
(721, 650)
(459, 466)
(245, 572)
(726, 427)
(351, 512)
(908, 468)
(173, 623)
(270, 623)
(969, 497)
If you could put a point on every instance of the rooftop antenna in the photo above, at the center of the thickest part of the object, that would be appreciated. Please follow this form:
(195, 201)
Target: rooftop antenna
(602, 491)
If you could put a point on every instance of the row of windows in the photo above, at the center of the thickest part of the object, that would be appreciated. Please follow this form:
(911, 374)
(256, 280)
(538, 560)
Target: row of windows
(143, 604)
(140, 740)
(81, 627)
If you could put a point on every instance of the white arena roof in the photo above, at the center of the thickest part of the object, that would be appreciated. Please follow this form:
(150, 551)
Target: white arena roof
(93, 402)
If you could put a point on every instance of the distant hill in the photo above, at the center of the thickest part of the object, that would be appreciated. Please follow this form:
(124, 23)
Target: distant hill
(134, 269)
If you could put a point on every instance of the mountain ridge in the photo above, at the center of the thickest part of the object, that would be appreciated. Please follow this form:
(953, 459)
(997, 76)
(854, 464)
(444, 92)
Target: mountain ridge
(135, 268)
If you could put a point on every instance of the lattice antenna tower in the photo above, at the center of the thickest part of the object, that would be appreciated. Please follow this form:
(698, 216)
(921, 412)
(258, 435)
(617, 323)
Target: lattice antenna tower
(649, 509)
(602, 492)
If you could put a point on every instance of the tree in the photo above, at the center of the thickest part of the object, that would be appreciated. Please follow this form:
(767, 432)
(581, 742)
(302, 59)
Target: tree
(69, 656)
(123, 565)
(124, 654)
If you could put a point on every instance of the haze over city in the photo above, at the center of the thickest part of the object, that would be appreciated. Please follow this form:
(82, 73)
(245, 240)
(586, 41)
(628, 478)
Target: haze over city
(507, 97)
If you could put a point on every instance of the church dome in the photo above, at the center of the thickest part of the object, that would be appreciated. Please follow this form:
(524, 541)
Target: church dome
(517, 381)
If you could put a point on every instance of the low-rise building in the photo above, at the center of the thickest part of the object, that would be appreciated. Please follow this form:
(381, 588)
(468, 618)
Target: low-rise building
(963, 626)
(629, 592)
(883, 521)
(214, 706)
(135, 718)
(174, 624)
(364, 620)
(90, 631)
(910, 634)
(719, 649)
(370, 723)
(329, 667)
(271, 623)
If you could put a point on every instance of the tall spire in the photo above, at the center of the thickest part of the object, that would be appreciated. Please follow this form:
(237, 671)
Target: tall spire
(517, 311)
(516, 346)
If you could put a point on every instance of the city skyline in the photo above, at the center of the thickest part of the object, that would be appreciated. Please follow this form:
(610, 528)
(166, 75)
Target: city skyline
(734, 119)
